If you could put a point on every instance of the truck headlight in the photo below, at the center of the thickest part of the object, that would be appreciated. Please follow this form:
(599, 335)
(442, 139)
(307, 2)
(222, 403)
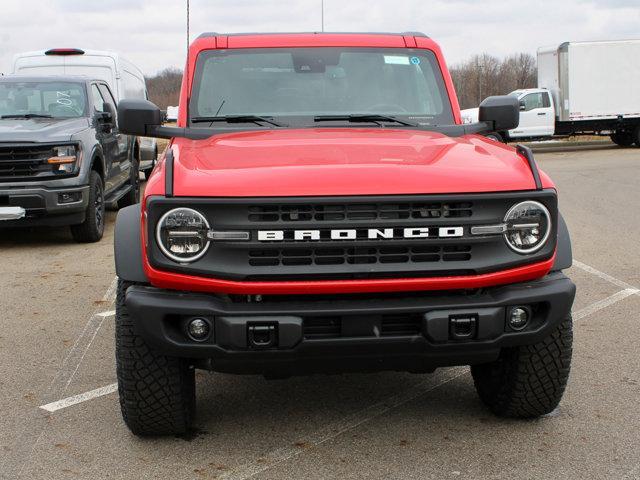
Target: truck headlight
(64, 157)
(182, 235)
(527, 227)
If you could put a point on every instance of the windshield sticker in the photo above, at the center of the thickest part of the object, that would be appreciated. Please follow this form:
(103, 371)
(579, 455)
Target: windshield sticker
(396, 60)
(415, 60)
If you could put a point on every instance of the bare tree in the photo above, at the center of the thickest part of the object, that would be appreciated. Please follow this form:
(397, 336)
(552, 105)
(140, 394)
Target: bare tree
(485, 75)
(164, 87)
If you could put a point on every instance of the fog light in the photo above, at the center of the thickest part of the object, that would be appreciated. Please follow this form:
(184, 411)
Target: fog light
(518, 318)
(198, 329)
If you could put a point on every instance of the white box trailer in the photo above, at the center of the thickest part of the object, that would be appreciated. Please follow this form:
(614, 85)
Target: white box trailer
(592, 80)
(595, 87)
(125, 80)
(584, 88)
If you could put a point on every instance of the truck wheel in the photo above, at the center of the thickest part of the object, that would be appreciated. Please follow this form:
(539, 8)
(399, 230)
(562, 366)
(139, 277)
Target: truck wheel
(495, 136)
(529, 380)
(623, 139)
(132, 196)
(157, 393)
(636, 136)
(92, 228)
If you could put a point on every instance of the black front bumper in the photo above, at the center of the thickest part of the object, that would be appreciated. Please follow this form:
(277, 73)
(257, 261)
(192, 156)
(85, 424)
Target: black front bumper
(369, 333)
(43, 206)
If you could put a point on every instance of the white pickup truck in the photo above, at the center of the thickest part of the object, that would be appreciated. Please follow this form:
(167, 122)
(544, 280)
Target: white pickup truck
(585, 88)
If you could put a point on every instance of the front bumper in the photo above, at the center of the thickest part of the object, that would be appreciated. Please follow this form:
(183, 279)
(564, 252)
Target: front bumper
(348, 334)
(43, 206)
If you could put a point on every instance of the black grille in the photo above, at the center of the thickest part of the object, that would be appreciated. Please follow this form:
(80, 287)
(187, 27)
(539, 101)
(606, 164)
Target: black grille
(358, 255)
(25, 161)
(358, 211)
(379, 248)
(391, 325)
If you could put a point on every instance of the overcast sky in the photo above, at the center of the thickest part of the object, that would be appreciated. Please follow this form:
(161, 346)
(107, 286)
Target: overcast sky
(151, 33)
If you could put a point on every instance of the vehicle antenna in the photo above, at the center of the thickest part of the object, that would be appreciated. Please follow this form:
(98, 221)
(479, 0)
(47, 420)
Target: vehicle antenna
(186, 73)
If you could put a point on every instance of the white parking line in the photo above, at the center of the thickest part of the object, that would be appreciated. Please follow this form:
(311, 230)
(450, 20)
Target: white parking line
(82, 397)
(110, 313)
(338, 428)
(604, 303)
(602, 275)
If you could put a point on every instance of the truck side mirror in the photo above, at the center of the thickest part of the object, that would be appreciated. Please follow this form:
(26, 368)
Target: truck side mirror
(523, 106)
(108, 114)
(138, 117)
(502, 111)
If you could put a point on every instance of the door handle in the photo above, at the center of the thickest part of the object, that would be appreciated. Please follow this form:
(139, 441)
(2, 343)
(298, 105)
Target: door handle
(542, 113)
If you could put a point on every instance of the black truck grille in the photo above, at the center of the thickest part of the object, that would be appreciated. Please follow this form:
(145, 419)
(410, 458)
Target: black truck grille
(358, 211)
(367, 254)
(25, 161)
(358, 255)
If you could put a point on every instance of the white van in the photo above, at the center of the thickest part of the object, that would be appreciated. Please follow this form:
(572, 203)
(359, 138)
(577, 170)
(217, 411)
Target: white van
(123, 77)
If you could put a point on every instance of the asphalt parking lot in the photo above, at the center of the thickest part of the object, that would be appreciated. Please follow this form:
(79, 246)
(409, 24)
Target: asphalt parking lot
(56, 342)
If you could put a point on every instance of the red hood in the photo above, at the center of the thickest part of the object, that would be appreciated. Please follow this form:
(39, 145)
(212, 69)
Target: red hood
(347, 161)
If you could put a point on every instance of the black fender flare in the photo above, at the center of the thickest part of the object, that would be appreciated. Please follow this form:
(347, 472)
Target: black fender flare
(564, 255)
(127, 245)
(97, 155)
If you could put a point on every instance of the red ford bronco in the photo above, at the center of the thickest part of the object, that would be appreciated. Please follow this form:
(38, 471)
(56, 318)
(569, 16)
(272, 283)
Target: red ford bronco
(321, 207)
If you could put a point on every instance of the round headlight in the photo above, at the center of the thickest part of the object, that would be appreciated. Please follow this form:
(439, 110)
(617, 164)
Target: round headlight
(528, 225)
(182, 235)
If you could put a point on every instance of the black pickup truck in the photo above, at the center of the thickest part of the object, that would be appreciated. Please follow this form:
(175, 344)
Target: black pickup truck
(62, 157)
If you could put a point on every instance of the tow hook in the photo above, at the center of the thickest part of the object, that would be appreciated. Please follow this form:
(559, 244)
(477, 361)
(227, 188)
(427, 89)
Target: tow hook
(262, 335)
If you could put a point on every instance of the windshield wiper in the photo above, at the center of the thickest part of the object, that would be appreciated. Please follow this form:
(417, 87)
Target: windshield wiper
(363, 117)
(238, 119)
(27, 115)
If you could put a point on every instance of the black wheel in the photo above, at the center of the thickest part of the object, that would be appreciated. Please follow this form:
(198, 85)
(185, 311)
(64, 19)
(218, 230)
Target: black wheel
(623, 138)
(147, 173)
(132, 196)
(92, 228)
(527, 381)
(495, 136)
(636, 136)
(157, 393)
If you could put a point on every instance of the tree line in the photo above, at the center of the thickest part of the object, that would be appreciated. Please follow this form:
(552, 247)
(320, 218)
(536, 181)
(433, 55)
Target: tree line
(484, 75)
(475, 79)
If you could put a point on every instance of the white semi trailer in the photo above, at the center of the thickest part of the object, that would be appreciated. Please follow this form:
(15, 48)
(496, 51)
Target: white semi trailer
(584, 88)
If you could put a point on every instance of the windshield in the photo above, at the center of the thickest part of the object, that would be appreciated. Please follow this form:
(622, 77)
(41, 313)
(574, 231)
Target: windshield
(49, 99)
(304, 82)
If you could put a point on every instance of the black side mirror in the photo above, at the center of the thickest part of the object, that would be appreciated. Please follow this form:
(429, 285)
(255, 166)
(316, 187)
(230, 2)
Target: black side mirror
(138, 117)
(523, 106)
(502, 111)
(107, 115)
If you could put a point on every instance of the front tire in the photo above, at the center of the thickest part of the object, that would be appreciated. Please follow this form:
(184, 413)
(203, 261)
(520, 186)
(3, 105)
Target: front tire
(92, 229)
(527, 381)
(157, 392)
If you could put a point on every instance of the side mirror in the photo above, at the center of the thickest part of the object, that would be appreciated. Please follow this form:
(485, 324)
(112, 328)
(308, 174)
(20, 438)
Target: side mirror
(107, 115)
(502, 111)
(138, 117)
(523, 106)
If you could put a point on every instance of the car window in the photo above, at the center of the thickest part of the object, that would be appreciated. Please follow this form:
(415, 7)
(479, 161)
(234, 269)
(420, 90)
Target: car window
(98, 101)
(532, 100)
(546, 101)
(54, 98)
(321, 81)
(106, 94)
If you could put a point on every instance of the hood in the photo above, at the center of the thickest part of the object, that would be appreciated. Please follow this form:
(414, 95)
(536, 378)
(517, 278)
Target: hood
(347, 161)
(40, 129)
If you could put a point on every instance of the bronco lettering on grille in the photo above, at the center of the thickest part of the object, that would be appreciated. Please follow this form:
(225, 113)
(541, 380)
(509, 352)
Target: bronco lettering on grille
(360, 234)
